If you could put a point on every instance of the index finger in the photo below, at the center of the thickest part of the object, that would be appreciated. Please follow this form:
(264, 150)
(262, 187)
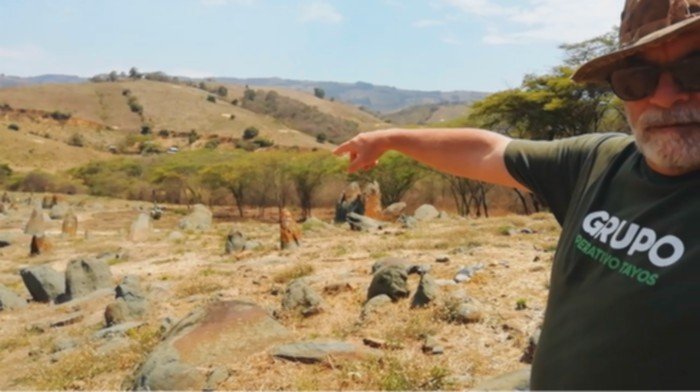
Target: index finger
(342, 149)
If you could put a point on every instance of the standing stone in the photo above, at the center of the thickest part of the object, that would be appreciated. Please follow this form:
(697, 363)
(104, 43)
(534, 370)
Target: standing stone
(43, 282)
(6, 198)
(407, 221)
(199, 219)
(350, 201)
(9, 300)
(390, 280)
(373, 201)
(37, 223)
(426, 293)
(426, 212)
(299, 295)
(235, 242)
(46, 202)
(84, 276)
(70, 224)
(40, 244)
(290, 233)
(141, 228)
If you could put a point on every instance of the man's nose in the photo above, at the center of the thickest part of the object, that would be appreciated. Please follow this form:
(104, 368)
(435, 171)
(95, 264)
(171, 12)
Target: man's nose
(667, 92)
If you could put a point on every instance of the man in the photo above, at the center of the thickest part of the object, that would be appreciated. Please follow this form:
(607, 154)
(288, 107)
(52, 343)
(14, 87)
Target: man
(624, 304)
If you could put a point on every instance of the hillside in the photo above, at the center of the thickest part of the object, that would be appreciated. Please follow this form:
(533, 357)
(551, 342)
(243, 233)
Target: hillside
(428, 114)
(101, 114)
(375, 98)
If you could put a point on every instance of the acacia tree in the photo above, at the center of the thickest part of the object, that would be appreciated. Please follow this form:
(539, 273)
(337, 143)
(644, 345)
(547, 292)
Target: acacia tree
(395, 173)
(236, 176)
(468, 195)
(308, 171)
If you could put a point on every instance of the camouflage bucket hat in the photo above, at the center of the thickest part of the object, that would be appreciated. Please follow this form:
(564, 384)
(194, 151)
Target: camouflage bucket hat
(644, 24)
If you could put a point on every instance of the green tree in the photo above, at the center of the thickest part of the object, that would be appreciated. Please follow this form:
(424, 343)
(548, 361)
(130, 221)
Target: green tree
(552, 106)
(396, 174)
(134, 73)
(222, 91)
(308, 171)
(236, 175)
(319, 92)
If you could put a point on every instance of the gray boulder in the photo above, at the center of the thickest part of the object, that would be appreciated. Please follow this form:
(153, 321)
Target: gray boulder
(390, 280)
(466, 273)
(363, 223)
(58, 211)
(394, 210)
(235, 242)
(199, 219)
(208, 338)
(373, 305)
(299, 296)
(9, 300)
(43, 282)
(426, 212)
(426, 293)
(83, 276)
(130, 303)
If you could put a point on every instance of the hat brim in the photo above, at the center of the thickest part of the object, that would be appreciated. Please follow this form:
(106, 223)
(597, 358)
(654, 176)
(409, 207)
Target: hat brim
(598, 70)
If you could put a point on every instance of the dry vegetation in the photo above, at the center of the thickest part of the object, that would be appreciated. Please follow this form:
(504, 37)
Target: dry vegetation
(183, 274)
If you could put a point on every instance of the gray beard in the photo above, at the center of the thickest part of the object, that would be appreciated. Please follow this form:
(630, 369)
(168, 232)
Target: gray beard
(678, 151)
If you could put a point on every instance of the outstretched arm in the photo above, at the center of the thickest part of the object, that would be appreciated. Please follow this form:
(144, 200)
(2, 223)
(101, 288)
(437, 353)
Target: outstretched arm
(470, 153)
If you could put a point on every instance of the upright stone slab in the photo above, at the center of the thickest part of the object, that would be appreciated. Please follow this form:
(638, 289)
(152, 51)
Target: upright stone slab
(290, 232)
(43, 282)
(141, 229)
(58, 211)
(70, 224)
(373, 201)
(394, 210)
(37, 223)
(235, 242)
(350, 201)
(208, 338)
(199, 219)
(83, 276)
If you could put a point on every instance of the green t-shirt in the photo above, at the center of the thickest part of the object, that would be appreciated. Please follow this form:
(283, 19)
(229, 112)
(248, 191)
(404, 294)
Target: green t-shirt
(624, 302)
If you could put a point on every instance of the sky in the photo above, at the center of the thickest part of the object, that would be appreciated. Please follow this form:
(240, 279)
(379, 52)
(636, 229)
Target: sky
(478, 45)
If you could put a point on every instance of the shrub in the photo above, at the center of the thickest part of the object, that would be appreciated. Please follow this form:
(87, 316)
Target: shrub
(126, 92)
(232, 117)
(222, 91)
(319, 92)
(321, 138)
(164, 133)
(134, 105)
(76, 140)
(5, 172)
(211, 99)
(192, 137)
(250, 133)
(13, 127)
(212, 144)
(145, 130)
(38, 181)
(234, 102)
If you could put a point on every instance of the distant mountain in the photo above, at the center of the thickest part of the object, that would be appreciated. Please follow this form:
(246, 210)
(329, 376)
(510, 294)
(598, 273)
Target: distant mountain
(12, 81)
(374, 98)
(383, 99)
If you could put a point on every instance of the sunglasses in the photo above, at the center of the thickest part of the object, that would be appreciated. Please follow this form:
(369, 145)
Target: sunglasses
(639, 81)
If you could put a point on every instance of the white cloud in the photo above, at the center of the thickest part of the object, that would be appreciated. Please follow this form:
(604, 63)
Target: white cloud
(542, 20)
(428, 23)
(23, 53)
(320, 11)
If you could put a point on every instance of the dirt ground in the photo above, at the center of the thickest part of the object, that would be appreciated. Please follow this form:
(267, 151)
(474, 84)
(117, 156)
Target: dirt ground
(184, 272)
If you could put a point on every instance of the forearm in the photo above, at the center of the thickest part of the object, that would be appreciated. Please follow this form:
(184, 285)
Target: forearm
(470, 153)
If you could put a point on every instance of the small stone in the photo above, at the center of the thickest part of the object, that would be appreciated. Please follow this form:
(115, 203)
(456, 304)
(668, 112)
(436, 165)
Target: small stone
(442, 259)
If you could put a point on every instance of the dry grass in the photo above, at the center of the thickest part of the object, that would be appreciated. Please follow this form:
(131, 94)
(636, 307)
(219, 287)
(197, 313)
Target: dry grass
(294, 272)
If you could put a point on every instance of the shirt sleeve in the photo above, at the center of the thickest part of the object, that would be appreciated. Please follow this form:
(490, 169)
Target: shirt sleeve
(552, 169)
